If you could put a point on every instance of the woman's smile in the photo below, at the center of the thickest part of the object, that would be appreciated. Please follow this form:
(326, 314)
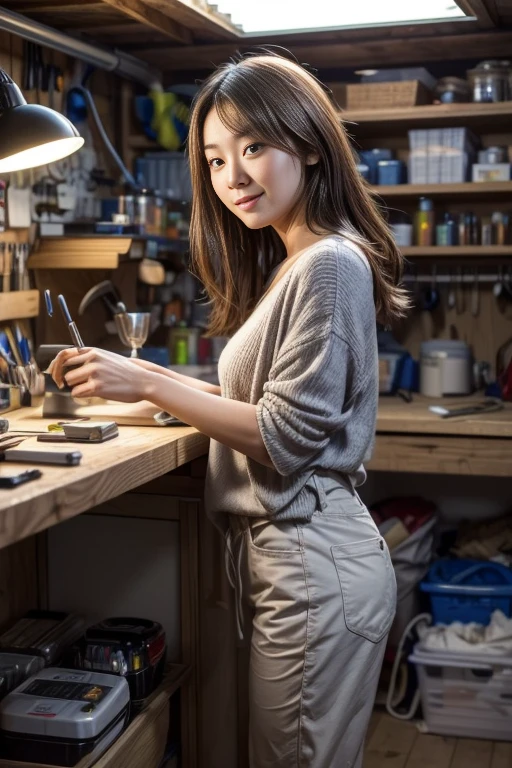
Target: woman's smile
(246, 203)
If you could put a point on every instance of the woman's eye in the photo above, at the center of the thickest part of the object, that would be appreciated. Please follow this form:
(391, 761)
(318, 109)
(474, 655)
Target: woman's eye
(213, 161)
(253, 148)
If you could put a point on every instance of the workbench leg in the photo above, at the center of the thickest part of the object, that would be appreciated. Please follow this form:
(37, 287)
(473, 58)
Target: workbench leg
(188, 513)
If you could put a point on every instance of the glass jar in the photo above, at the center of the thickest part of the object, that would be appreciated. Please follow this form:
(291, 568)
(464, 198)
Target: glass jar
(489, 85)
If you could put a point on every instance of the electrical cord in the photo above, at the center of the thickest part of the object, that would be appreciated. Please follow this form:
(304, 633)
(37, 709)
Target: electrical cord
(422, 617)
(115, 156)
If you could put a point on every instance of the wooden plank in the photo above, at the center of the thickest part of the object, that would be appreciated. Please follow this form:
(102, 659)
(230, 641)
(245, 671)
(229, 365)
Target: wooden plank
(18, 577)
(189, 573)
(472, 753)
(390, 744)
(395, 416)
(484, 252)
(138, 455)
(483, 11)
(431, 752)
(17, 305)
(501, 755)
(467, 189)
(154, 18)
(442, 455)
(380, 122)
(55, 7)
(79, 253)
(134, 504)
(387, 51)
(190, 15)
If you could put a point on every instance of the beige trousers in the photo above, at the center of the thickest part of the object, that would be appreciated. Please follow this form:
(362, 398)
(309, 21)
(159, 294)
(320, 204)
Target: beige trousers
(321, 596)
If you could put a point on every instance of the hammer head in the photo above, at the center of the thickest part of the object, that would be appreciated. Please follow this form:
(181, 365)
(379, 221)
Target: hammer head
(107, 292)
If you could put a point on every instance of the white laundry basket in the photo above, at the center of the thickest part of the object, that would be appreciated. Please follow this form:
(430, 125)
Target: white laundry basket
(465, 694)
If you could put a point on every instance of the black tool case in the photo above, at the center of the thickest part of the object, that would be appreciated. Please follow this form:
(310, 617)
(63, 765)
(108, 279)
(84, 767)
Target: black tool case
(130, 647)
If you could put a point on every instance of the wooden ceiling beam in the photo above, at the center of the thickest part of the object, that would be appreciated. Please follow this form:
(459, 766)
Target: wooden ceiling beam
(387, 51)
(210, 24)
(50, 8)
(484, 11)
(153, 17)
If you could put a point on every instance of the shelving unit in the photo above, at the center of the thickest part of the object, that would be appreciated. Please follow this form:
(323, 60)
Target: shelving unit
(88, 252)
(469, 190)
(18, 305)
(484, 252)
(385, 122)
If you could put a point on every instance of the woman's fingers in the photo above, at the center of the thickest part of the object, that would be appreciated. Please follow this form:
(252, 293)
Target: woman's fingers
(79, 375)
(65, 358)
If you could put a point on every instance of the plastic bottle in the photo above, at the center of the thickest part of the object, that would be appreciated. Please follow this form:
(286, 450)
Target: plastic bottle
(424, 222)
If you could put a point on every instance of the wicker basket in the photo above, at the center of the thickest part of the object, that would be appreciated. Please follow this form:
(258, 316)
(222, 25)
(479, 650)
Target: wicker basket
(403, 93)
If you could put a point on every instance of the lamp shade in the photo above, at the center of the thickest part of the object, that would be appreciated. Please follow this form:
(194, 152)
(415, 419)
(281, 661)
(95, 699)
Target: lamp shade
(30, 134)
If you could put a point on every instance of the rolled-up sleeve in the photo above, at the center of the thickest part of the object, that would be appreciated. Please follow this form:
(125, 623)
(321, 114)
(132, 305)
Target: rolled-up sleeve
(303, 401)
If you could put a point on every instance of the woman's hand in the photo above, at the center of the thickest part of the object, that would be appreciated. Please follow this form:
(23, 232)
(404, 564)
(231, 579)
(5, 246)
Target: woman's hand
(101, 374)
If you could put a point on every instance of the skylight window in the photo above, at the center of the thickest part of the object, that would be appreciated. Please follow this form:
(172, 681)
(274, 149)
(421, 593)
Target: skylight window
(270, 16)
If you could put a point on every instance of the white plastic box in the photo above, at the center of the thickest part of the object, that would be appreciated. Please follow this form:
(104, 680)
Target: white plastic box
(465, 694)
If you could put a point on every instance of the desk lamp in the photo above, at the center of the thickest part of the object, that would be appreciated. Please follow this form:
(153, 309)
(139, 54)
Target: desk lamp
(30, 134)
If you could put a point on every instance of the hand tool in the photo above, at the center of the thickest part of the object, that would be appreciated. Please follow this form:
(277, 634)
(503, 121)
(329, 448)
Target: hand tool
(73, 330)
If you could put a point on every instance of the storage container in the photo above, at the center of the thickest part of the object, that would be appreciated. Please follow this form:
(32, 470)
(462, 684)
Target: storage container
(465, 694)
(390, 172)
(60, 715)
(407, 93)
(43, 633)
(133, 648)
(468, 590)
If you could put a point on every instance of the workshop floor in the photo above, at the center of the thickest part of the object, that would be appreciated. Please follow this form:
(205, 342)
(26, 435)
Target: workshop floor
(393, 743)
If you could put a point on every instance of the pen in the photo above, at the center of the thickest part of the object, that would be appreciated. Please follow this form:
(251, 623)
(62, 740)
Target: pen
(73, 330)
(48, 300)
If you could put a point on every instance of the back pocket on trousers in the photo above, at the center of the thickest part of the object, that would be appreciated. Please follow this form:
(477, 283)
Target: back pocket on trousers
(368, 586)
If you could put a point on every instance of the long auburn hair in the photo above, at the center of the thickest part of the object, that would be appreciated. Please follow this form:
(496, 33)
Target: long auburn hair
(276, 101)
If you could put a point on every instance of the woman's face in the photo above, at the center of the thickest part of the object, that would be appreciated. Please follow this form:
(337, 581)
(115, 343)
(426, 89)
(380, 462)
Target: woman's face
(258, 183)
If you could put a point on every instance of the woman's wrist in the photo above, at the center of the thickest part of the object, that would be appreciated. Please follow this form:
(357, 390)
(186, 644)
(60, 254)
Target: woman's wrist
(150, 384)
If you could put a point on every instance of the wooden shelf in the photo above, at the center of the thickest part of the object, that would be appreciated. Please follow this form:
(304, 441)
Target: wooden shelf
(470, 189)
(491, 118)
(457, 251)
(396, 417)
(94, 252)
(17, 305)
(144, 740)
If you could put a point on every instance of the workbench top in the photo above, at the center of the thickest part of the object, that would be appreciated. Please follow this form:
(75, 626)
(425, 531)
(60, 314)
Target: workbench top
(142, 453)
(108, 469)
(396, 416)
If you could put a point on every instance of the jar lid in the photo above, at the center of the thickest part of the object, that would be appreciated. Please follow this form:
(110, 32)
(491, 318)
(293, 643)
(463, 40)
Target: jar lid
(426, 204)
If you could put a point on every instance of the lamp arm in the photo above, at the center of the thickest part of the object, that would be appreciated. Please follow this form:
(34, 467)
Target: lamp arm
(115, 156)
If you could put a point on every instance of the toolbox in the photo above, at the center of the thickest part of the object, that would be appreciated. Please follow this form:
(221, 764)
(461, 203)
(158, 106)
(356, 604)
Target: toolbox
(130, 647)
(58, 716)
(43, 633)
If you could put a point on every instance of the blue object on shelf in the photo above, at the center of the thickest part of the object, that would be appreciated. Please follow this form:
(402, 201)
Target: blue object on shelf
(157, 355)
(390, 172)
(371, 157)
(468, 590)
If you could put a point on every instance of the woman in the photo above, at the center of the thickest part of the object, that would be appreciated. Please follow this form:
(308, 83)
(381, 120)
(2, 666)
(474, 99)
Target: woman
(298, 264)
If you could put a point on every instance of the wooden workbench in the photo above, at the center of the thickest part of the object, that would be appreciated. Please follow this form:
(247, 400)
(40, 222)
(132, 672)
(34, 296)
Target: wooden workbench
(410, 438)
(146, 472)
(107, 470)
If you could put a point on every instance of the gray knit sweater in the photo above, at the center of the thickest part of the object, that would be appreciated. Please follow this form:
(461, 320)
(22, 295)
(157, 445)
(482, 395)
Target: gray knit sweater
(307, 358)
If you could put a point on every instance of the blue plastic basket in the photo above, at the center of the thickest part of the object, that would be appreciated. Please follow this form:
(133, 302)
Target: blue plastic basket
(468, 590)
